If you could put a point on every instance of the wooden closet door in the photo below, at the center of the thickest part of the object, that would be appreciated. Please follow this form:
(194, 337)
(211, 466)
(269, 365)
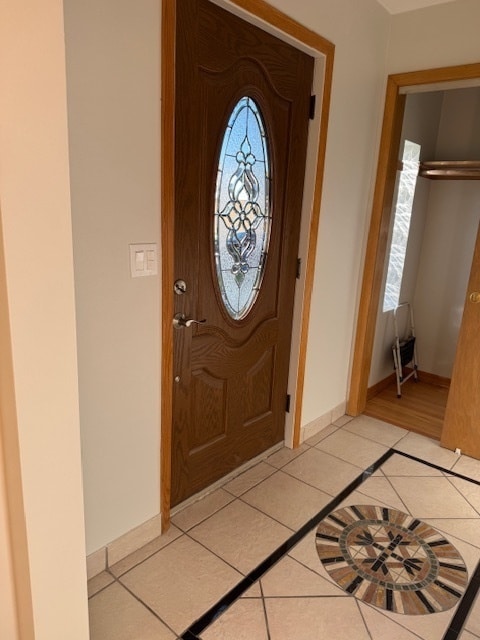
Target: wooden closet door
(461, 427)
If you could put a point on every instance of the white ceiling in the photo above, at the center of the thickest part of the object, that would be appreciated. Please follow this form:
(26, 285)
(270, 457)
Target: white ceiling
(400, 6)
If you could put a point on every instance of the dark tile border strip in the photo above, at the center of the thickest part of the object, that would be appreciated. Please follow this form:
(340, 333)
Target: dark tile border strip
(192, 633)
(188, 635)
(466, 603)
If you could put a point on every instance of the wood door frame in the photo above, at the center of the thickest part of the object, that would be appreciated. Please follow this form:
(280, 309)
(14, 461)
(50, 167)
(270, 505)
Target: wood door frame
(258, 12)
(398, 86)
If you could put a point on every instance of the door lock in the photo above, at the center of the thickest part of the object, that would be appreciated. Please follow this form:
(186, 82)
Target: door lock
(180, 321)
(179, 287)
(475, 297)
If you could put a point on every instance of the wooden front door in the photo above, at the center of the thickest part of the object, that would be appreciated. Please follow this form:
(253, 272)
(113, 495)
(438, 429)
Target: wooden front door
(242, 113)
(461, 427)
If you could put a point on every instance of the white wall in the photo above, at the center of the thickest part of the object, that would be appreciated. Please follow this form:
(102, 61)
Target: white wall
(35, 209)
(113, 108)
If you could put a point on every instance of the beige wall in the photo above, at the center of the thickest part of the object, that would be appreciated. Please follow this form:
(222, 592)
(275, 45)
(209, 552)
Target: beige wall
(360, 33)
(35, 205)
(439, 36)
(113, 96)
(113, 108)
(113, 89)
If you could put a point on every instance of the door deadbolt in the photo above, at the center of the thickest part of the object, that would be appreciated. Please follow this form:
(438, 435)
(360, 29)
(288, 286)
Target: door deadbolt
(475, 297)
(180, 287)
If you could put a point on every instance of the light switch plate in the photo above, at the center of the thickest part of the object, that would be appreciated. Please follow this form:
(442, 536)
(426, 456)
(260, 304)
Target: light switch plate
(143, 260)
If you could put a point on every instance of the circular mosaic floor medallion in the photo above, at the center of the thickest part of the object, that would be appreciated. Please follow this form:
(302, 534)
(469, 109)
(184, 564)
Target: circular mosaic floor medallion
(391, 560)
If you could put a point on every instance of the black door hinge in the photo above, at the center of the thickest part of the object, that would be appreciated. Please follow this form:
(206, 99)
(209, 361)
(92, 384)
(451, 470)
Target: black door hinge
(287, 403)
(299, 267)
(311, 113)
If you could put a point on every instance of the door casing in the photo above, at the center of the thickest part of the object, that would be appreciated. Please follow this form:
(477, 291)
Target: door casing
(398, 85)
(257, 12)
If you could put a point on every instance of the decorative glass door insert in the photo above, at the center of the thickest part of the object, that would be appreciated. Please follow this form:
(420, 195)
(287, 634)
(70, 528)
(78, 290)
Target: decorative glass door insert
(242, 208)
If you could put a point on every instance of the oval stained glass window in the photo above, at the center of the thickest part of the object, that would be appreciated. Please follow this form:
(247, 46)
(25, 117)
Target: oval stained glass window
(242, 209)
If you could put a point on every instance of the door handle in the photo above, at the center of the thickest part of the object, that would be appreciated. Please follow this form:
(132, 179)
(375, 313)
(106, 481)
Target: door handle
(180, 321)
(475, 297)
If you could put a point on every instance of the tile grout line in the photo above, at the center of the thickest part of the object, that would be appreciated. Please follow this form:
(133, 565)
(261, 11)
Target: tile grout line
(108, 569)
(399, 624)
(260, 510)
(264, 609)
(333, 455)
(388, 479)
(209, 616)
(144, 604)
(214, 553)
(464, 497)
(227, 482)
(436, 466)
(372, 439)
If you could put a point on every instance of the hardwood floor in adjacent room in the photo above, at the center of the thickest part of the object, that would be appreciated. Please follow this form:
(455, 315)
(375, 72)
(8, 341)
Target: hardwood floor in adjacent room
(420, 409)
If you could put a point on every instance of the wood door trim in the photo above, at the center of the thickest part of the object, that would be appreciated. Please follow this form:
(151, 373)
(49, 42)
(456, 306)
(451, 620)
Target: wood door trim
(286, 25)
(282, 24)
(376, 247)
(380, 219)
(167, 168)
(312, 247)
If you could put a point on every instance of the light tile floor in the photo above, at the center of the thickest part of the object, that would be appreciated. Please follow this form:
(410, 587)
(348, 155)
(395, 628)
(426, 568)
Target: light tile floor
(215, 546)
